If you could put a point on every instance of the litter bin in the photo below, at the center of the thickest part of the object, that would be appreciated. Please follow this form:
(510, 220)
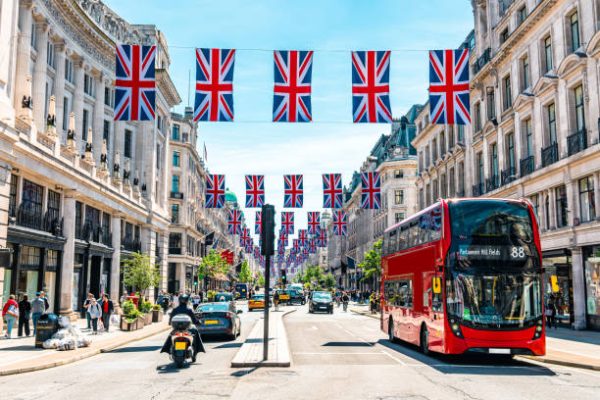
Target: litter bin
(47, 325)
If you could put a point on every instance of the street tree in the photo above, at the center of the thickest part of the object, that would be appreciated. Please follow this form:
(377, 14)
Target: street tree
(212, 265)
(371, 264)
(140, 273)
(329, 281)
(245, 273)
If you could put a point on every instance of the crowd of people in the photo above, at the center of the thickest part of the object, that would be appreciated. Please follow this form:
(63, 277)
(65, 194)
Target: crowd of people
(25, 313)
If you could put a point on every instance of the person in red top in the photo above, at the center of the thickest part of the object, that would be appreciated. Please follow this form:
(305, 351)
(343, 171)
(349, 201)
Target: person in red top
(107, 309)
(10, 312)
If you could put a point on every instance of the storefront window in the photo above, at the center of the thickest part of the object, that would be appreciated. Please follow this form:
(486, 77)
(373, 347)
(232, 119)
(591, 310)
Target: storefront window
(29, 271)
(592, 282)
(561, 206)
(50, 276)
(77, 271)
(560, 267)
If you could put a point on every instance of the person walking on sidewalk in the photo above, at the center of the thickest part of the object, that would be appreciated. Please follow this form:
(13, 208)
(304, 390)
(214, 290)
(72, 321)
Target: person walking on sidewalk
(38, 307)
(10, 312)
(107, 310)
(276, 300)
(24, 314)
(95, 312)
(45, 299)
(551, 313)
(86, 306)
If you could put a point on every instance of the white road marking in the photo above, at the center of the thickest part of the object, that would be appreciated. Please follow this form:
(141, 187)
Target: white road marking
(399, 361)
(333, 353)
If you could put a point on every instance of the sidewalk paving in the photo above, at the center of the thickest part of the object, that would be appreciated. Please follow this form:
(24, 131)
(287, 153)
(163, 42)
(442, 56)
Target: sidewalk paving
(566, 347)
(251, 352)
(20, 355)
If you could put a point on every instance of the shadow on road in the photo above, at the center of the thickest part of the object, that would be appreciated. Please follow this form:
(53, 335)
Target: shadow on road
(469, 363)
(228, 345)
(171, 368)
(21, 348)
(243, 372)
(135, 349)
(348, 344)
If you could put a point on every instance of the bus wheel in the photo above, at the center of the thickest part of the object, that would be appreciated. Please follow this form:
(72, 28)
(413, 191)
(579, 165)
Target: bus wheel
(424, 340)
(391, 336)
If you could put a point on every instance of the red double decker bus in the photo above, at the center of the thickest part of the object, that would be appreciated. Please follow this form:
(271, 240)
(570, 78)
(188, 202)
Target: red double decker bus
(465, 275)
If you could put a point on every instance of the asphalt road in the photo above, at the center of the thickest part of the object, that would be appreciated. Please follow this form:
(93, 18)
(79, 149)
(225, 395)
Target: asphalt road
(340, 356)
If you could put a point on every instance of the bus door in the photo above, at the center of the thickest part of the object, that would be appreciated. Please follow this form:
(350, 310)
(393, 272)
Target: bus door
(434, 312)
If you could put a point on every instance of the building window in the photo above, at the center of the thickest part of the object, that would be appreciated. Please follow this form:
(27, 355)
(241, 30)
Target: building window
(127, 143)
(525, 75)
(174, 213)
(108, 97)
(436, 190)
(158, 153)
(460, 135)
(434, 150)
(450, 137)
(78, 219)
(477, 117)
(551, 119)
(69, 70)
(50, 54)
(494, 161)
(503, 35)
(427, 156)
(507, 95)
(561, 206)
(176, 159)
(547, 211)
(442, 143)
(399, 216)
(33, 36)
(535, 202)
(579, 108)
(480, 171)
(574, 31)
(528, 136)
(491, 103)
(461, 179)
(587, 206)
(175, 135)
(444, 184)
(88, 85)
(427, 194)
(510, 153)
(398, 196)
(12, 201)
(106, 132)
(521, 15)
(175, 184)
(84, 124)
(66, 111)
(548, 58)
(452, 182)
(53, 206)
(399, 174)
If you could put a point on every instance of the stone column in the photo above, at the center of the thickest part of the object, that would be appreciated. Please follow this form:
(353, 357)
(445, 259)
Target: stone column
(40, 71)
(115, 267)
(572, 201)
(537, 124)
(22, 87)
(562, 118)
(4, 200)
(66, 275)
(518, 140)
(98, 123)
(579, 321)
(59, 92)
(78, 65)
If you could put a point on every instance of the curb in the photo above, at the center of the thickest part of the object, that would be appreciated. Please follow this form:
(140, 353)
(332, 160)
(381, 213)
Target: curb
(559, 362)
(270, 364)
(78, 357)
(374, 316)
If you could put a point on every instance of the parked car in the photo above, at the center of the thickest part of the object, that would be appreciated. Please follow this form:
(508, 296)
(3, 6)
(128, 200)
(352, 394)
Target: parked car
(321, 301)
(219, 319)
(256, 302)
(284, 296)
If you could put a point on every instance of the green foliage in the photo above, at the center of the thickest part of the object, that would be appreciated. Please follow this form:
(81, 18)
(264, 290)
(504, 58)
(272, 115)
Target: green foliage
(314, 277)
(145, 306)
(156, 307)
(260, 279)
(245, 273)
(212, 265)
(371, 264)
(211, 295)
(329, 281)
(130, 312)
(140, 272)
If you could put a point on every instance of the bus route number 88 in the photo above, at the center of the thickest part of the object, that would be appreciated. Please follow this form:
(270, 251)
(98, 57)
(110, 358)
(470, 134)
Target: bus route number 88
(517, 252)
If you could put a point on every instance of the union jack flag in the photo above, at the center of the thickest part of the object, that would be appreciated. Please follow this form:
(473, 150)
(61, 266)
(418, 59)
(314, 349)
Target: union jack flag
(371, 86)
(314, 222)
(340, 223)
(234, 222)
(305, 253)
(287, 222)
(257, 253)
(322, 238)
(302, 237)
(370, 191)
(296, 246)
(281, 243)
(293, 70)
(255, 191)
(215, 191)
(214, 85)
(135, 84)
(245, 237)
(258, 223)
(449, 87)
(312, 247)
(332, 191)
(293, 191)
(283, 235)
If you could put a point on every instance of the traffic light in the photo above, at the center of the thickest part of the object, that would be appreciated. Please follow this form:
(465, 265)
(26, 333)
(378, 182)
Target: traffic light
(283, 276)
(267, 233)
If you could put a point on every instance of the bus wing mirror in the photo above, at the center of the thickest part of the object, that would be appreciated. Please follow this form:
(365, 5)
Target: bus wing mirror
(554, 282)
(436, 285)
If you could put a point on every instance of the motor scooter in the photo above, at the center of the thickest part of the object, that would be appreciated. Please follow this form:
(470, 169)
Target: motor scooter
(182, 340)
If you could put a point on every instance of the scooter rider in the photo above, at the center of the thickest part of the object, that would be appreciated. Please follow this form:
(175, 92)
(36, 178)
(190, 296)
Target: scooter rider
(345, 300)
(182, 308)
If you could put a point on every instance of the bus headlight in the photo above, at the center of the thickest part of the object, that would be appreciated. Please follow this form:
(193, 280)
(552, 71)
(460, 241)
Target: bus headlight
(539, 328)
(455, 327)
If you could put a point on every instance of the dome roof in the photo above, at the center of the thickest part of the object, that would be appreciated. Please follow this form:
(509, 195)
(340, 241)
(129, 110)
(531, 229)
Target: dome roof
(230, 196)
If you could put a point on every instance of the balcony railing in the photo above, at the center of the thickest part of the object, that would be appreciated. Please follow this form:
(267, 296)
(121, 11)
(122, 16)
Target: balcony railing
(503, 6)
(478, 189)
(176, 195)
(492, 183)
(131, 244)
(91, 232)
(577, 142)
(550, 154)
(175, 250)
(30, 216)
(527, 165)
(508, 175)
(481, 62)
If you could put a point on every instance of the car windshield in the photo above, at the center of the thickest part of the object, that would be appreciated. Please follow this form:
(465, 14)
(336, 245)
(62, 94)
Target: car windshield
(321, 296)
(494, 300)
(213, 307)
(258, 297)
(223, 297)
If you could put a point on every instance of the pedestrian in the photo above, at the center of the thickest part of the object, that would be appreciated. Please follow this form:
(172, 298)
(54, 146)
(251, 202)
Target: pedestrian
(10, 312)
(276, 300)
(107, 310)
(551, 313)
(24, 315)
(38, 307)
(46, 303)
(95, 312)
(86, 305)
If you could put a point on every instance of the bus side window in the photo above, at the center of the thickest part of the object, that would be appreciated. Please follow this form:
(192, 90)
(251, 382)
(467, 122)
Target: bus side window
(426, 297)
(437, 304)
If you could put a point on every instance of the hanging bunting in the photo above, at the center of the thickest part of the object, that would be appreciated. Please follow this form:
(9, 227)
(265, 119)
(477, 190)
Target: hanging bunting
(293, 73)
(332, 191)
(340, 223)
(245, 237)
(234, 222)
(449, 87)
(258, 223)
(370, 86)
(214, 85)
(255, 191)
(215, 191)
(135, 83)
(322, 238)
(370, 191)
(314, 222)
(302, 237)
(287, 222)
(293, 191)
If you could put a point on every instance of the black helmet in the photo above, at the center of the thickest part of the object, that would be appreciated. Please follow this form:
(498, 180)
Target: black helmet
(183, 299)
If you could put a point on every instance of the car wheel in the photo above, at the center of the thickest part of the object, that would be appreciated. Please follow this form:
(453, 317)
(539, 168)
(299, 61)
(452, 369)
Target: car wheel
(424, 345)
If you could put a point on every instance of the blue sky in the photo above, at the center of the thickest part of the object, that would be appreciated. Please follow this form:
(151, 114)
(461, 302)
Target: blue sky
(253, 144)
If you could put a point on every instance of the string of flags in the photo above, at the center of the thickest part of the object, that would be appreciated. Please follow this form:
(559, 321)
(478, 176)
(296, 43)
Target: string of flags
(135, 85)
